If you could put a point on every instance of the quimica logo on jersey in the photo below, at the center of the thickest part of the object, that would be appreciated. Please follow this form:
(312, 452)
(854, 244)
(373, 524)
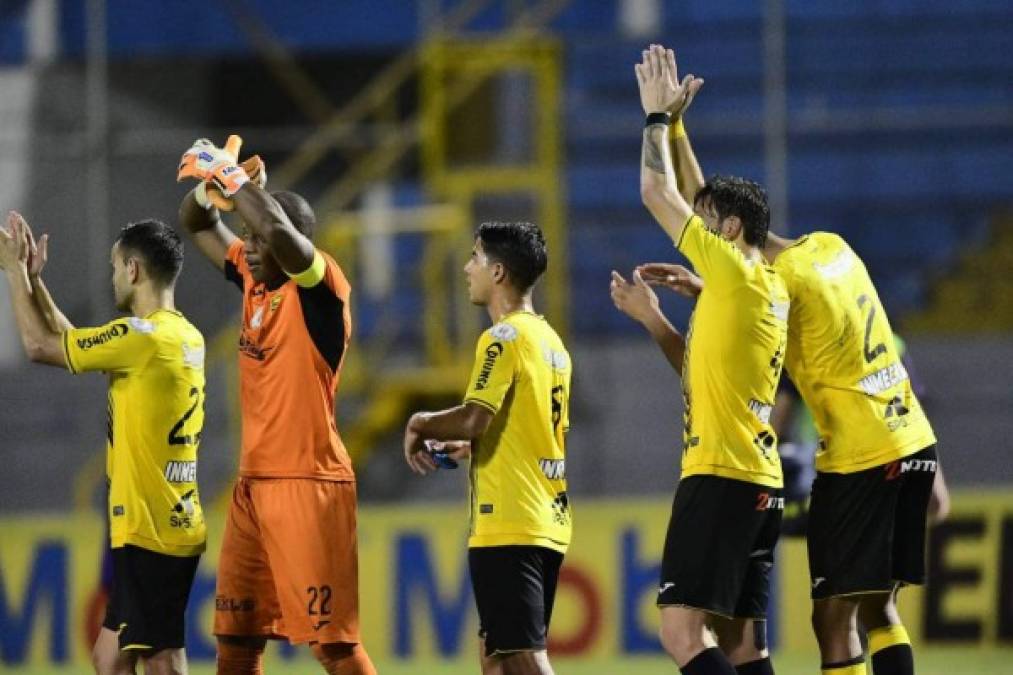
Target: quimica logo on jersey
(492, 352)
(114, 331)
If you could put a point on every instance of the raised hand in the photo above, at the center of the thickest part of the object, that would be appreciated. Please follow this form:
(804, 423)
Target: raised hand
(201, 160)
(660, 88)
(13, 243)
(689, 86)
(207, 162)
(636, 300)
(418, 458)
(38, 253)
(673, 277)
(658, 92)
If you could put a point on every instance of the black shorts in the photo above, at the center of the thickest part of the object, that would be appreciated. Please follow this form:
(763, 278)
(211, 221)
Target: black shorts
(515, 587)
(148, 599)
(867, 529)
(719, 549)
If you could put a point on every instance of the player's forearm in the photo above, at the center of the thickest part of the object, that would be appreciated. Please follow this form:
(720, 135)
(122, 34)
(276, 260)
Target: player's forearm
(671, 341)
(55, 319)
(265, 219)
(688, 172)
(259, 210)
(41, 343)
(658, 189)
(193, 217)
(459, 422)
(657, 172)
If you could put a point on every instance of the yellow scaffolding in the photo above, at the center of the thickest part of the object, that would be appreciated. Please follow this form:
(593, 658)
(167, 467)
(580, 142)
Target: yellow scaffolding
(471, 62)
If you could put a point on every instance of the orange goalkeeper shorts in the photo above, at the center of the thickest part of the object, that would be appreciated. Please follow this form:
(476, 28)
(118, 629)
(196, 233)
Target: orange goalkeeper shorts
(289, 563)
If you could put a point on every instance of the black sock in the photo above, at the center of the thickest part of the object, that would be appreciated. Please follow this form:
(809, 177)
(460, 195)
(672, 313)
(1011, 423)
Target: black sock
(708, 662)
(894, 660)
(758, 667)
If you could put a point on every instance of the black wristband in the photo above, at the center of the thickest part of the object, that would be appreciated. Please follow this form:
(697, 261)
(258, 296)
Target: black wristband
(658, 118)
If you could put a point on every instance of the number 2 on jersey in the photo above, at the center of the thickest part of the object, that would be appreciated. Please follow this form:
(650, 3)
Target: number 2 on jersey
(176, 437)
(880, 348)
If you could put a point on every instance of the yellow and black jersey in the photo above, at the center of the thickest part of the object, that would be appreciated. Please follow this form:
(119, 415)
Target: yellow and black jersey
(844, 361)
(155, 416)
(518, 466)
(734, 353)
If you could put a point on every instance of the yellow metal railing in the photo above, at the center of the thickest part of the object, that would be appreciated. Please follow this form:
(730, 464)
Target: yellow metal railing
(472, 62)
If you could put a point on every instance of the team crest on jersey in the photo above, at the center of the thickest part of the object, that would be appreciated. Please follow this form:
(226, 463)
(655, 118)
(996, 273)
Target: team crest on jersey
(504, 332)
(141, 325)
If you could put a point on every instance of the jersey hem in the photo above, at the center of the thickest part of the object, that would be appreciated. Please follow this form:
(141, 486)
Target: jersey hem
(734, 474)
(477, 401)
(155, 546)
(334, 478)
(491, 540)
(880, 458)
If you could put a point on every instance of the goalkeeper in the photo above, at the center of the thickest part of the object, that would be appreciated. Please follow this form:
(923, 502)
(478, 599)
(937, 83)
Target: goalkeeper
(289, 562)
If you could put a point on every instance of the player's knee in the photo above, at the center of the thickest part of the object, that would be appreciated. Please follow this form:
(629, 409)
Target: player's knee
(876, 611)
(343, 657)
(166, 662)
(527, 663)
(729, 636)
(832, 617)
(98, 661)
(106, 662)
(678, 640)
(240, 655)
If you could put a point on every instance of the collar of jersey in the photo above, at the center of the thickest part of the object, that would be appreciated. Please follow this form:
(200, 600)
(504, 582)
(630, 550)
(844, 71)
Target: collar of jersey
(163, 309)
(520, 311)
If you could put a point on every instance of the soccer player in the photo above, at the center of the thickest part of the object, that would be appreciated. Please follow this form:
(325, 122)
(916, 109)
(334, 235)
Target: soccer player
(876, 461)
(727, 508)
(155, 361)
(515, 414)
(289, 559)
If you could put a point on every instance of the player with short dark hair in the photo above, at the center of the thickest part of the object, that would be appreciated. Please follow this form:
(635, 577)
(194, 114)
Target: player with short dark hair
(155, 362)
(876, 461)
(719, 550)
(512, 424)
(289, 559)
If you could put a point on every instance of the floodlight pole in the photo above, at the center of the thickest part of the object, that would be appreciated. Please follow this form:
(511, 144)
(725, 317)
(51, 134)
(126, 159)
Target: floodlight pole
(775, 113)
(97, 158)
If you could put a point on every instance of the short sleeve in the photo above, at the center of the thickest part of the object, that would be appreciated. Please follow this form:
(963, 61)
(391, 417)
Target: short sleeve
(495, 367)
(118, 346)
(715, 259)
(236, 269)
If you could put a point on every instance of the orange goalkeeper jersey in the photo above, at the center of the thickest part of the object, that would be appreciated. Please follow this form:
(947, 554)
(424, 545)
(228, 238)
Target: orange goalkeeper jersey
(291, 345)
